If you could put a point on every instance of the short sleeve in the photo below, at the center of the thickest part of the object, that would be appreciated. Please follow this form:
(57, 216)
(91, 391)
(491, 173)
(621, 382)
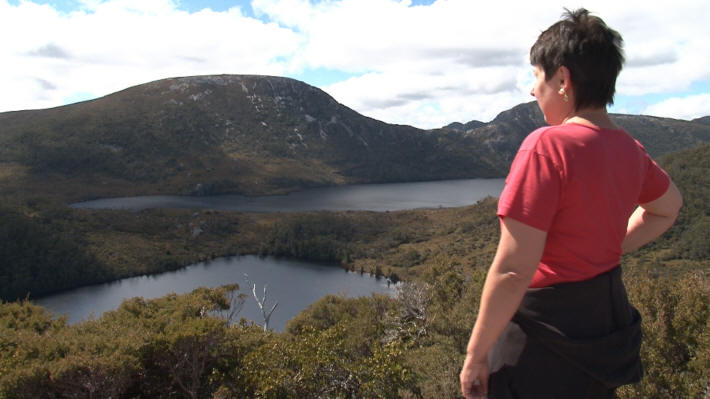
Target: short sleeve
(655, 183)
(532, 190)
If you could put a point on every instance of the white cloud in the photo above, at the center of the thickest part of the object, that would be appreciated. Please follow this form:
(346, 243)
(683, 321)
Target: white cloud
(119, 43)
(434, 100)
(381, 35)
(425, 66)
(687, 108)
(408, 54)
(666, 47)
(454, 60)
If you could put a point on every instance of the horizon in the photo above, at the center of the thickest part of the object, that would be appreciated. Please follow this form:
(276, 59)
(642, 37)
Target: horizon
(424, 63)
(611, 112)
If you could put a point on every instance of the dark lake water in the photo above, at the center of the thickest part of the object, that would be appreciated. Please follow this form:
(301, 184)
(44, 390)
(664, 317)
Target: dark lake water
(362, 197)
(294, 284)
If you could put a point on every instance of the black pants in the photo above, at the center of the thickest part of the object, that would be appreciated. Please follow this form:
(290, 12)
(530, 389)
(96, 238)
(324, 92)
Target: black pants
(571, 340)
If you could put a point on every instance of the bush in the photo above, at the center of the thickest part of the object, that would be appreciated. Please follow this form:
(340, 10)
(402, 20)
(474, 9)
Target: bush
(676, 344)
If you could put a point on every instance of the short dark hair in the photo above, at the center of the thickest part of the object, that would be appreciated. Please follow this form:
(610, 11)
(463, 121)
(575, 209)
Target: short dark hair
(589, 49)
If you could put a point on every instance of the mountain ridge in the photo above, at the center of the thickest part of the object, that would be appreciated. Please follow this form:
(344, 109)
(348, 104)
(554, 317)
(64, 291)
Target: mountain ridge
(254, 134)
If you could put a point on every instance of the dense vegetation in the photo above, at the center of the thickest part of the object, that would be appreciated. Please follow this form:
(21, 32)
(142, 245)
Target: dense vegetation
(185, 346)
(118, 244)
(43, 254)
(690, 171)
(409, 346)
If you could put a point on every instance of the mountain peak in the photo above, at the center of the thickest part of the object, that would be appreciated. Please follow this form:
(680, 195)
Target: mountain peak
(257, 134)
(705, 120)
(247, 134)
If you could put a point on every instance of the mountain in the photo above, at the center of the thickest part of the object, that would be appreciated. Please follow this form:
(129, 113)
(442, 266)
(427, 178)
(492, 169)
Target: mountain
(252, 135)
(659, 136)
(506, 131)
(663, 135)
(216, 134)
(463, 127)
(704, 120)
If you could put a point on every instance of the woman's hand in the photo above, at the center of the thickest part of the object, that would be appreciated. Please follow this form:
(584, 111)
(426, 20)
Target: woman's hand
(474, 378)
(519, 251)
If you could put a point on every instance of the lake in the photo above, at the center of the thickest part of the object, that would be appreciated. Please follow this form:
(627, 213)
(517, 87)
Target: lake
(294, 284)
(356, 197)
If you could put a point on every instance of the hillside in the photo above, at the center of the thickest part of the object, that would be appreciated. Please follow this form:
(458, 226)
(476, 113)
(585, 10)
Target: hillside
(504, 134)
(463, 127)
(213, 134)
(659, 136)
(410, 345)
(253, 135)
(704, 120)
(662, 136)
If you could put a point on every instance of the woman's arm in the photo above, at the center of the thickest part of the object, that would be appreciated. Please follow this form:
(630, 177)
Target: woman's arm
(652, 219)
(518, 254)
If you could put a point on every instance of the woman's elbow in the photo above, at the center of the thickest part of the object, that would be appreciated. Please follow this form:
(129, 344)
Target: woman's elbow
(676, 201)
(516, 276)
(668, 205)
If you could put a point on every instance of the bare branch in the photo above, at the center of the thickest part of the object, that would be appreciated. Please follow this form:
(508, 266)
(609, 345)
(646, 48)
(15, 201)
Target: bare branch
(261, 303)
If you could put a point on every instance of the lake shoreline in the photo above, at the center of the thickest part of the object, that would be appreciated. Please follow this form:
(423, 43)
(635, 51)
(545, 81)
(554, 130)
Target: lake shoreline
(125, 243)
(82, 303)
(381, 197)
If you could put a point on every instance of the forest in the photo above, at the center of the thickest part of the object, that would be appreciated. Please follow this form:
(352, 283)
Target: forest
(410, 345)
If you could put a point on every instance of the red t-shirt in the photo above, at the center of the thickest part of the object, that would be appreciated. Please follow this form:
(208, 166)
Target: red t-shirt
(580, 185)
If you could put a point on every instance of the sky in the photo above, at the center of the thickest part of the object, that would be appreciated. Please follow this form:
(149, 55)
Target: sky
(424, 63)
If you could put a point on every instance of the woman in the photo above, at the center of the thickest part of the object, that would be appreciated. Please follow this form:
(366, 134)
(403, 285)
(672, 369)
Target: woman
(554, 320)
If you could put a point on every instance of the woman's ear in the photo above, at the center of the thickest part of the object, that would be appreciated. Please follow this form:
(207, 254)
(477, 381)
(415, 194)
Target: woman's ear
(565, 78)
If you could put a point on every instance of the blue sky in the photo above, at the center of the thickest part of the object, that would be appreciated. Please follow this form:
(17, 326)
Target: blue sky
(422, 63)
(223, 5)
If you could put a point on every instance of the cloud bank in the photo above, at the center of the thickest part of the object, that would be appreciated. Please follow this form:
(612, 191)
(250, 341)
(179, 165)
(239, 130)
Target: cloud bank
(424, 65)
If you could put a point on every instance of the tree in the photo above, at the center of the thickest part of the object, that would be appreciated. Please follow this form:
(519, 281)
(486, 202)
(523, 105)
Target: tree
(266, 315)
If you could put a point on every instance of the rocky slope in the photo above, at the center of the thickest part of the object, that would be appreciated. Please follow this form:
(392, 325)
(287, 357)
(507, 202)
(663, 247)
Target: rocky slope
(704, 120)
(208, 134)
(256, 135)
(659, 136)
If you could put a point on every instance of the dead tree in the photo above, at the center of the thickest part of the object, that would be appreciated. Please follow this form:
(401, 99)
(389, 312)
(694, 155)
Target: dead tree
(266, 315)
(412, 320)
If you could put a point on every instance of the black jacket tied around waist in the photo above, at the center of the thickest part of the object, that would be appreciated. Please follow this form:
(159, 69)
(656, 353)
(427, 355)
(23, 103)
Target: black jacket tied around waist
(588, 326)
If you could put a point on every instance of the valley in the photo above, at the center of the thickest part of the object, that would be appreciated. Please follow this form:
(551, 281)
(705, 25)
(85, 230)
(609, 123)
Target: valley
(255, 135)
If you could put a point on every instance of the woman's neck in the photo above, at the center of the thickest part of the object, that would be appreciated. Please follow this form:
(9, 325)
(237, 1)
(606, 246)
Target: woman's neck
(593, 117)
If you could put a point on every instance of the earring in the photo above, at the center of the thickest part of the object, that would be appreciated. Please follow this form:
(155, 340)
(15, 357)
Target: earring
(563, 94)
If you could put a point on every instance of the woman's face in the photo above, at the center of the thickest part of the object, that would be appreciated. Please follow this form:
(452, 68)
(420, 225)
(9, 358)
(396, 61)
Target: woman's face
(548, 96)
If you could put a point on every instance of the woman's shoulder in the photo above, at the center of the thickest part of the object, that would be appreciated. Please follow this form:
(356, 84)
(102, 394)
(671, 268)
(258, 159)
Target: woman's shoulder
(543, 137)
(572, 134)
